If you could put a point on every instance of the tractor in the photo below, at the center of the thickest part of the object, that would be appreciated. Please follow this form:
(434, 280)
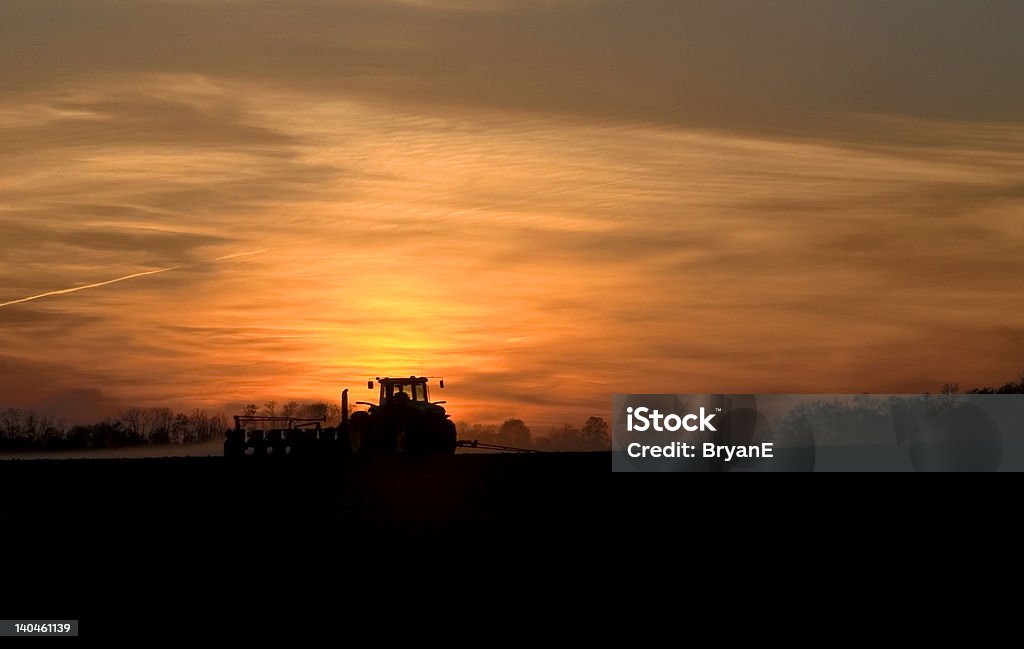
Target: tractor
(403, 421)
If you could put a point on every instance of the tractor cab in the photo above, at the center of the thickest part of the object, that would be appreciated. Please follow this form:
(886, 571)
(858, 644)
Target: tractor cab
(406, 390)
(399, 394)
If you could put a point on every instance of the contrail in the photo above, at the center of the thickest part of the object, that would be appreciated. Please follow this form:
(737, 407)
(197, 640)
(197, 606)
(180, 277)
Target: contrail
(65, 291)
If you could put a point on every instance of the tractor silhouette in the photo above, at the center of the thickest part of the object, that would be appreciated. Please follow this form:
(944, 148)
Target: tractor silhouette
(403, 421)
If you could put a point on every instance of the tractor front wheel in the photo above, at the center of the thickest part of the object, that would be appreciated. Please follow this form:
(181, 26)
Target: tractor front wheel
(359, 433)
(401, 442)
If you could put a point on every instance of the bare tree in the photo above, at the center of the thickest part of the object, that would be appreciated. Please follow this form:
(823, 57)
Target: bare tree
(10, 424)
(270, 408)
(30, 426)
(131, 419)
(315, 410)
(290, 409)
(334, 411)
(179, 429)
(159, 423)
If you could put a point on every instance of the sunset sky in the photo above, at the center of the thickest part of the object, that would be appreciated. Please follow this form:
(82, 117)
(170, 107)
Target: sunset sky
(544, 201)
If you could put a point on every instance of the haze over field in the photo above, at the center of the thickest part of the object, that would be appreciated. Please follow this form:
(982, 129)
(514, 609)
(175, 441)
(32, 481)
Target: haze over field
(546, 202)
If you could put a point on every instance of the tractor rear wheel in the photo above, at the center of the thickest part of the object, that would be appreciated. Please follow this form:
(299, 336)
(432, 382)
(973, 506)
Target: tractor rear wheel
(449, 437)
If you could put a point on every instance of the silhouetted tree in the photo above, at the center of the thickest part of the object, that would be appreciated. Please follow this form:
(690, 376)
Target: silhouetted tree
(161, 421)
(566, 438)
(30, 429)
(316, 410)
(513, 432)
(54, 435)
(10, 426)
(1011, 387)
(249, 410)
(595, 434)
(199, 426)
(131, 420)
(833, 419)
(108, 433)
(290, 409)
(76, 437)
(479, 432)
(179, 428)
(334, 411)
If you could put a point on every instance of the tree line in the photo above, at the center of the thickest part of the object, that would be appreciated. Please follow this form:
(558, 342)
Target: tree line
(1010, 387)
(317, 410)
(27, 430)
(24, 430)
(592, 436)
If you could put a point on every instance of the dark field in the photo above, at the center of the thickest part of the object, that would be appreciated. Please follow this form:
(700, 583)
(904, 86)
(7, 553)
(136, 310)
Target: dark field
(264, 544)
(181, 545)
